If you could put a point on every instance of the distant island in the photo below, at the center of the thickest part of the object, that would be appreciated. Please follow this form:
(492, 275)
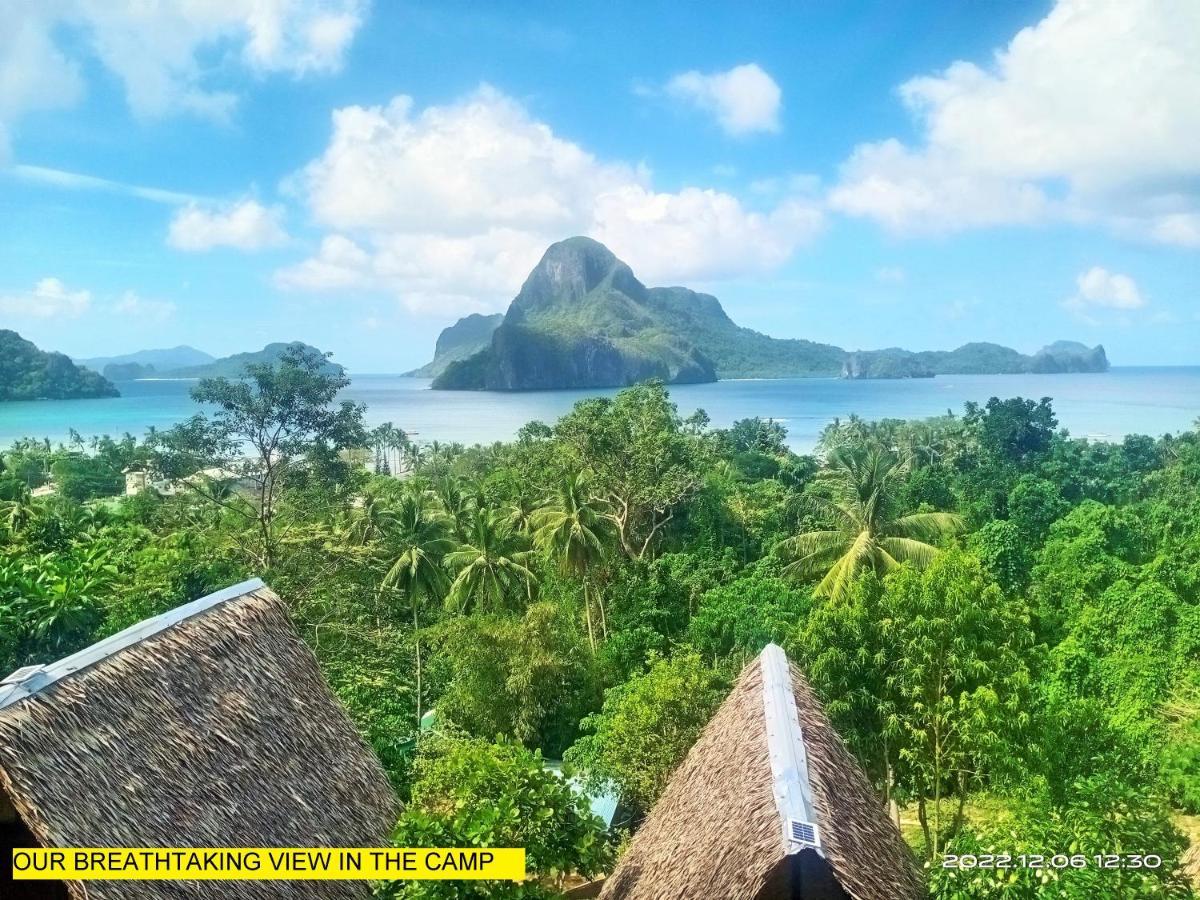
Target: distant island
(974, 359)
(27, 373)
(464, 338)
(188, 362)
(235, 366)
(146, 363)
(582, 319)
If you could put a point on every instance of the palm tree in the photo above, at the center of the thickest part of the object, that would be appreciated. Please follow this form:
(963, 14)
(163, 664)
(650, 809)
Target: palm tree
(519, 514)
(415, 537)
(490, 564)
(862, 480)
(367, 520)
(575, 528)
(457, 503)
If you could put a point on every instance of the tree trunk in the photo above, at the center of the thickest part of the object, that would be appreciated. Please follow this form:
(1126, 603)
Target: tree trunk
(930, 851)
(959, 814)
(587, 607)
(417, 644)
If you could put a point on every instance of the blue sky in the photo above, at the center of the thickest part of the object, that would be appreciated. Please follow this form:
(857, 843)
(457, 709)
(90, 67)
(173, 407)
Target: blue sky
(359, 175)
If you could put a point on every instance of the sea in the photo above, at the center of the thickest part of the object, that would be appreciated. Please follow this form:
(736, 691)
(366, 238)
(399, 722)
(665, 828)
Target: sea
(1098, 406)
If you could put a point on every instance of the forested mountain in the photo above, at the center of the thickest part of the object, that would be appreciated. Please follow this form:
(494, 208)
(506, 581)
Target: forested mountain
(974, 359)
(582, 319)
(464, 338)
(27, 373)
(152, 361)
(235, 366)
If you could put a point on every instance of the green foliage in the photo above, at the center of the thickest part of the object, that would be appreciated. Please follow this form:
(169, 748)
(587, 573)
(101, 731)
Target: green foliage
(275, 427)
(735, 621)
(957, 682)
(1106, 818)
(863, 531)
(27, 373)
(647, 726)
(472, 793)
(80, 477)
(1042, 667)
(530, 679)
(644, 461)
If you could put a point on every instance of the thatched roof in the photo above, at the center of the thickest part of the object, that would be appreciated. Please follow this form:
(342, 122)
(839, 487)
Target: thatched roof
(726, 826)
(210, 726)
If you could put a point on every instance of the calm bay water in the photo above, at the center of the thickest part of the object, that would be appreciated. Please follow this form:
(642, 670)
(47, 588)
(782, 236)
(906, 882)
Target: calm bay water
(1099, 406)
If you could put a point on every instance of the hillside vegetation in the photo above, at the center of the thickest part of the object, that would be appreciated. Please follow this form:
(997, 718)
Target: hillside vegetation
(1002, 621)
(582, 319)
(27, 373)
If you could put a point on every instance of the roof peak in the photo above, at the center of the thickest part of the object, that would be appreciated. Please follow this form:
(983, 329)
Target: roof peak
(30, 680)
(789, 758)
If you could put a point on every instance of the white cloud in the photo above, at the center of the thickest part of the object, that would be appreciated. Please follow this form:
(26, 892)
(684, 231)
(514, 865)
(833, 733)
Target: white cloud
(890, 275)
(1098, 288)
(451, 206)
(1092, 115)
(75, 181)
(49, 299)
(699, 233)
(246, 225)
(744, 99)
(1181, 229)
(142, 308)
(169, 56)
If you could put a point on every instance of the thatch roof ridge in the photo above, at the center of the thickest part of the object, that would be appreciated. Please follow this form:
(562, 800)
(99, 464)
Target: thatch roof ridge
(216, 730)
(717, 831)
(29, 680)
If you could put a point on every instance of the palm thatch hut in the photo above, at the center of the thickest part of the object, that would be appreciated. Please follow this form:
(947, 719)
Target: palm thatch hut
(208, 726)
(768, 804)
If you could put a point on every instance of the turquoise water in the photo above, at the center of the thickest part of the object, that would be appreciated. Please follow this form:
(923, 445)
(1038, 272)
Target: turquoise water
(1100, 406)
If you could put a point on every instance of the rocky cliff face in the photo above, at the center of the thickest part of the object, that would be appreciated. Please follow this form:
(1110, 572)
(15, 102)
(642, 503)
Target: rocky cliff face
(580, 320)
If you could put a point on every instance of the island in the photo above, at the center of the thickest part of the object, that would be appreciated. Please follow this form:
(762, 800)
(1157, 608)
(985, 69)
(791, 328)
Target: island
(149, 362)
(582, 319)
(235, 366)
(27, 373)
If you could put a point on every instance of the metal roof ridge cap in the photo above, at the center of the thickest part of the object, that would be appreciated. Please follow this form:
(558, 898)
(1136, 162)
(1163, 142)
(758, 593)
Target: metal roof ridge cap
(785, 747)
(53, 672)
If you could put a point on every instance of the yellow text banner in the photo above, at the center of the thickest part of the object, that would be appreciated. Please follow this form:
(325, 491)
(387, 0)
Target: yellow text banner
(268, 863)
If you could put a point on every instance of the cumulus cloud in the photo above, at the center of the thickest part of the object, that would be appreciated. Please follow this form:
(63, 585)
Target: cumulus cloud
(1091, 115)
(743, 100)
(246, 225)
(49, 299)
(143, 308)
(1098, 288)
(449, 208)
(166, 55)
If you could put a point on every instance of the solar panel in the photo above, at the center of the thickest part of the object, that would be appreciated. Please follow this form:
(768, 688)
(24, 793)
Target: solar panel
(804, 832)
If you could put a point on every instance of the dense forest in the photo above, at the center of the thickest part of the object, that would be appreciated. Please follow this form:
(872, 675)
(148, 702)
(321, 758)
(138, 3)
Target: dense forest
(1003, 621)
(27, 373)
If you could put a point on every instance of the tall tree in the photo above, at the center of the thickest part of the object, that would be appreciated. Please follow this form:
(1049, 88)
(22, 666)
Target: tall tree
(490, 565)
(415, 539)
(865, 534)
(957, 684)
(645, 458)
(574, 528)
(276, 424)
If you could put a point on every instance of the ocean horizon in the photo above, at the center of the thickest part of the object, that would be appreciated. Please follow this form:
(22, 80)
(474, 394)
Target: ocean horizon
(1152, 400)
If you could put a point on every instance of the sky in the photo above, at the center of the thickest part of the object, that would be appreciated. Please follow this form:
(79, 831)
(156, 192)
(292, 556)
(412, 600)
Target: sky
(357, 175)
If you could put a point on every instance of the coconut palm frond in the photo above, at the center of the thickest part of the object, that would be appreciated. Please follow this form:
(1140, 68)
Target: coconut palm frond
(926, 526)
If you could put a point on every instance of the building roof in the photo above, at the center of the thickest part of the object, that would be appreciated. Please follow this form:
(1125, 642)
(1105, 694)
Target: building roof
(768, 803)
(208, 726)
